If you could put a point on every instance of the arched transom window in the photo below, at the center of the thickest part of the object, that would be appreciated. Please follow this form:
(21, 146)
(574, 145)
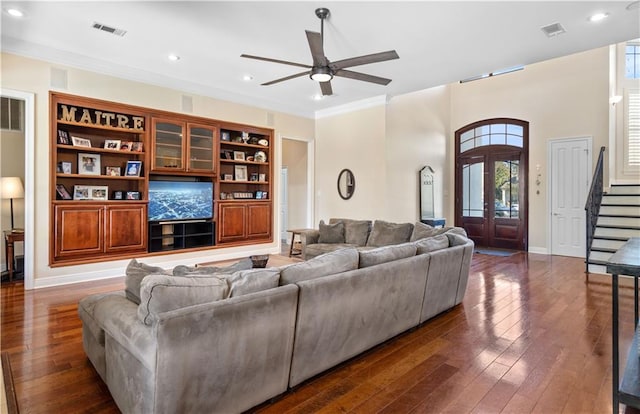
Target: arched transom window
(492, 134)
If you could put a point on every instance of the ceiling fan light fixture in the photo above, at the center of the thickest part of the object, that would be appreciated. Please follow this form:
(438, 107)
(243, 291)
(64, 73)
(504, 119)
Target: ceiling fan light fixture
(321, 74)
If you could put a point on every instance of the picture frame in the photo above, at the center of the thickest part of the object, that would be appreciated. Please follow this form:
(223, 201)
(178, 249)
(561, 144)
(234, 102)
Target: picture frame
(225, 136)
(80, 142)
(99, 192)
(240, 172)
(81, 192)
(133, 195)
(118, 195)
(133, 169)
(137, 146)
(227, 154)
(253, 177)
(62, 193)
(262, 177)
(258, 195)
(64, 167)
(112, 171)
(88, 164)
(227, 177)
(238, 155)
(63, 137)
(113, 144)
(125, 145)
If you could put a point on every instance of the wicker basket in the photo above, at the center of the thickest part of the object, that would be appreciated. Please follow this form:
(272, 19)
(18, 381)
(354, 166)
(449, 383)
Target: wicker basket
(259, 261)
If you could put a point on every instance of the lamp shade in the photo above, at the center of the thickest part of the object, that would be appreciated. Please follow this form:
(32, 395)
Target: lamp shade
(11, 187)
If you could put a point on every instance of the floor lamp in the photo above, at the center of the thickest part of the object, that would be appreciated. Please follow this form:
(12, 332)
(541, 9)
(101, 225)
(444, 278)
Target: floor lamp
(10, 188)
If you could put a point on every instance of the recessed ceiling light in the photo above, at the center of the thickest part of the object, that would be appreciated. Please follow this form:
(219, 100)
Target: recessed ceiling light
(15, 12)
(598, 17)
(317, 97)
(247, 78)
(173, 58)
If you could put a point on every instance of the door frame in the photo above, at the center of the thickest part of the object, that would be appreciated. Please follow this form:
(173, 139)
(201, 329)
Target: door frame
(551, 141)
(29, 181)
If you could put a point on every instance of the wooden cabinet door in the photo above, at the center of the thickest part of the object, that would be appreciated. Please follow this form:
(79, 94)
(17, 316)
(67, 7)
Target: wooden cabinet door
(79, 230)
(200, 154)
(259, 220)
(168, 145)
(232, 222)
(126, 228)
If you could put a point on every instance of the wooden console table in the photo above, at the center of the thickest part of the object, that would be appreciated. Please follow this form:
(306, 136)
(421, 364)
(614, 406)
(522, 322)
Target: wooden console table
(10, 237)
(626, 261)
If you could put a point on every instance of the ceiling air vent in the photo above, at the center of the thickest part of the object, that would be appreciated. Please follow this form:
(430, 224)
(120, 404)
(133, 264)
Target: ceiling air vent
(554, 29)
(109, 29)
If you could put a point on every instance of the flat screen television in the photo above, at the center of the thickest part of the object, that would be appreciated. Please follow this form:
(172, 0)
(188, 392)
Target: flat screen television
(180, 200)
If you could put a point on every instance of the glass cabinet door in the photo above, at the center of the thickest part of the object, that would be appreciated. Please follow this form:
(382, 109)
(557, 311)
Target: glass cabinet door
(168, 145)
(201, 140)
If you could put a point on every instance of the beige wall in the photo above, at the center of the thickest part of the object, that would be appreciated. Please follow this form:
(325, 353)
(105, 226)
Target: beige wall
(34, 76)
(355, 140)
(295, 159)
(11, 165)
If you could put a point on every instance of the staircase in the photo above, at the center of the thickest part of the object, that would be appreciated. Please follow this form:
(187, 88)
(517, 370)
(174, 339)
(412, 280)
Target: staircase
(618, 220)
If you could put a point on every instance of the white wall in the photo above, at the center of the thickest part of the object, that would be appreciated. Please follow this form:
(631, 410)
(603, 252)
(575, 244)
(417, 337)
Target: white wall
(295, 158)
(34, 76)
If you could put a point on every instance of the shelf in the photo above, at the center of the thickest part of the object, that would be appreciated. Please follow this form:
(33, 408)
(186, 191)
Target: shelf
(242, 144)
(163, 144)
(98, 149)
(224, 160)
(101, 177)
(243, 182)
(92, 126)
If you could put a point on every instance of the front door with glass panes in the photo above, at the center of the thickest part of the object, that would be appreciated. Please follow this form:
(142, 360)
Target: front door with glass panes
(491, 184)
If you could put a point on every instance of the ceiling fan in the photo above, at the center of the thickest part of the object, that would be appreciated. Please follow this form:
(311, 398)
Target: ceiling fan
(324, 70)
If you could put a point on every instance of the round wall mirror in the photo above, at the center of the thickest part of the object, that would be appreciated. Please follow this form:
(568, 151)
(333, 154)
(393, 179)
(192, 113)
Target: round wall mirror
(346, 184)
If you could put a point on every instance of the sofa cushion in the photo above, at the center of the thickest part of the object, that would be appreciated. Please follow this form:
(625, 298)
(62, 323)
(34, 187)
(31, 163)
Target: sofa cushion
(421, 231)
(331, 233)
(314, 250)
(134, 274)
(379, 255)
(182, 270)
(386, 234)
(356, 232)
(244, 282)
(330, 263)
(455, 239)
(161, 293)
(431, 244)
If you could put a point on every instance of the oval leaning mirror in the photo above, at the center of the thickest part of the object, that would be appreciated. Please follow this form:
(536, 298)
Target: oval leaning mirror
(346, 184)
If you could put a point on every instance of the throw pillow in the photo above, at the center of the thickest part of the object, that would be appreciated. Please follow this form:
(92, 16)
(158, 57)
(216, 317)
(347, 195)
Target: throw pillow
(431, 244)
(338, 261)
(163, 293)
(134, 274)
(421, 231)
(249, 281)
(386, 234)
(456, 239)
(331, 233)
(386, 254)
(356, 232)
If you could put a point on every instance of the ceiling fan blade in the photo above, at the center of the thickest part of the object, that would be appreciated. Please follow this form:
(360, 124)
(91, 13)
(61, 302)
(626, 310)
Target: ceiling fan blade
(361, 77)
(297, 75)
(325, 87)
(284, 62)
(317, 51)
(364, 60)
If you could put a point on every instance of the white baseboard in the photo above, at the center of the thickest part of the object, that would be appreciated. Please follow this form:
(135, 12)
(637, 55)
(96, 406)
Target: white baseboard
(538, 250)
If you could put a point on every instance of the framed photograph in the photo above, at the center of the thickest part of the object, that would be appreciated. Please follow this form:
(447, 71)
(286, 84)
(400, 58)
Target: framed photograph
(133, 168)
(118, 195)
(98, 192)
(88, 164)
(238, 155)
(227, 155)
(64, 167)
(258, 195)
(227, 177)
(112, 171)
(80, 142)
(136, 146)
(81, 192)
(241, 172)
(262, 177)
(133, 195)
(253, 177)
(62, 193)
(113, 144)
(63, 137)
(125, 146)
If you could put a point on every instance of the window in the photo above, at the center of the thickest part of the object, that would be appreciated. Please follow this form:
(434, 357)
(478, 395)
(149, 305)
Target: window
(11, 114)
(492, 134)
(632, 61)
(632, 128)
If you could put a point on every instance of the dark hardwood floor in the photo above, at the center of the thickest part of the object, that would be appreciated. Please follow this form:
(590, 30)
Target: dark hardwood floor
(532, 336)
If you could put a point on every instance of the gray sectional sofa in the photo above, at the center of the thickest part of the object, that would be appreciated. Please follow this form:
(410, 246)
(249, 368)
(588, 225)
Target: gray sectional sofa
(220, 341)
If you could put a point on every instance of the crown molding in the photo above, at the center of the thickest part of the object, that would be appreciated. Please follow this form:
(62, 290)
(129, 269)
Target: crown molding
(352, 106)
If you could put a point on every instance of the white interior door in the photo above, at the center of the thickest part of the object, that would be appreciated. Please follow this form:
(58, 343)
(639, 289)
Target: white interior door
(570, 178)
(284, 203)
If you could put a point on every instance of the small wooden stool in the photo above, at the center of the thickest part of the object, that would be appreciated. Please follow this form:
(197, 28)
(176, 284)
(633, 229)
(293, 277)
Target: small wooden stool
(293, 251)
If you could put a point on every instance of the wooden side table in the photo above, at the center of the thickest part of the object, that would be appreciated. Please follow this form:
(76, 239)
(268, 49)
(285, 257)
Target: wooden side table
(294, 233)
(435, 222)
(10, 237)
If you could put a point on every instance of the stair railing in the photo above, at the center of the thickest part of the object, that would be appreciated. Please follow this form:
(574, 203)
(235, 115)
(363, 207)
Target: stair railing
(592, 207)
